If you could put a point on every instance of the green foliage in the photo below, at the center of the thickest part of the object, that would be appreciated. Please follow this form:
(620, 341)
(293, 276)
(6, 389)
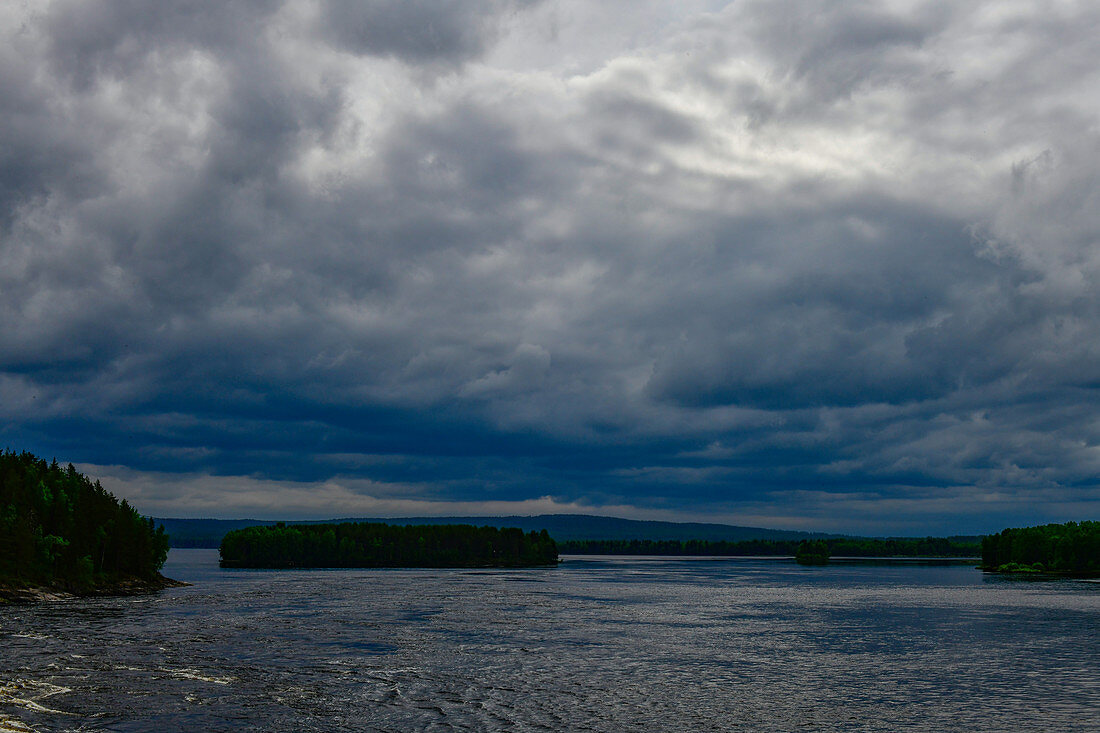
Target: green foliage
(1072, 548)
(1013, 567)
(58, 527)
(370, 545)
(812, 553)
(838, 547)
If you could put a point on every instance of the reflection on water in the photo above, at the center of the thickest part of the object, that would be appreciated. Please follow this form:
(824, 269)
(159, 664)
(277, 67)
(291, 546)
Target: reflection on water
(603, 644)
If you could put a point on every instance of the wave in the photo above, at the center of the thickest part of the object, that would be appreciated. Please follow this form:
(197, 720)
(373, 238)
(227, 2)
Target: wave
(25, 694)
(195, 674)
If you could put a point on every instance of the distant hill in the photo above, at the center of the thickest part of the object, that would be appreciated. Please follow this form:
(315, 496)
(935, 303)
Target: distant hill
(562, 527)
(203, 532)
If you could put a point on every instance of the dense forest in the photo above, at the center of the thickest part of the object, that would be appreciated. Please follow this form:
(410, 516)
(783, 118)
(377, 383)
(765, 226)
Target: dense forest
(61, 530)
(376, 545)
(837, 547)
(1072, 548)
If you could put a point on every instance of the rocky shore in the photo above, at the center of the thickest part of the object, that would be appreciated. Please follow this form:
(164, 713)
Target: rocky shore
(12, 593)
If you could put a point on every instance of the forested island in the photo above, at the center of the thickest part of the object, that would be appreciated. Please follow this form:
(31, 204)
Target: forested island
(836, 547)
(379, 545)
(1071, 549)
(60, 532)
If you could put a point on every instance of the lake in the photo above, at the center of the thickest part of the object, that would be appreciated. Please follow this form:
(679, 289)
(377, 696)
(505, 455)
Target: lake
(596, 644)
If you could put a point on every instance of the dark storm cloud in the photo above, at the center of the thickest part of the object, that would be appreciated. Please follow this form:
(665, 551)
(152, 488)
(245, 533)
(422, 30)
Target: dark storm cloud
(87, 41)
(827, 267)
(845, 325)
(416, 31)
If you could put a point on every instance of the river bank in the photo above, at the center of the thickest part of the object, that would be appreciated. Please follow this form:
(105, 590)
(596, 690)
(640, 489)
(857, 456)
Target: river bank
(12, 592)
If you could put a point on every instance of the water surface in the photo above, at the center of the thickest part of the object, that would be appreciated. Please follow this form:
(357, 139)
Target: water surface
(597, 644)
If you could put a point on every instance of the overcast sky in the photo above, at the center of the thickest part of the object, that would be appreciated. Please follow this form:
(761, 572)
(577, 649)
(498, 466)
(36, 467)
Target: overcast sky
(816, 265)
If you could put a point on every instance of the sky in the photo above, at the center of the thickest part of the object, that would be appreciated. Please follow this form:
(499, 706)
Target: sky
(816, 265)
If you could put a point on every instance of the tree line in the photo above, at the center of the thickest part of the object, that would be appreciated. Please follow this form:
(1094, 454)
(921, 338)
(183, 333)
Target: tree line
(379, 545)
(1072, 548)
(59, 528)
(813, 552)
(837, 547)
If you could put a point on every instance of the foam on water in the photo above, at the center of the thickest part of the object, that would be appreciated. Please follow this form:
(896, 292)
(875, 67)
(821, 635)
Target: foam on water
(23, 694)
(194, 674)
(11, 725)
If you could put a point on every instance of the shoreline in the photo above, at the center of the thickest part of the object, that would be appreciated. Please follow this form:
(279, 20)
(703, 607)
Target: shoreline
(1026, 572)
(26, 594)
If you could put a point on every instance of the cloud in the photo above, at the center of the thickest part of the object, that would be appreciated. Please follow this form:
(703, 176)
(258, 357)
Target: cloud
(719, 257)
(526, 369)
(161, 494)
(898, 510)
(416, 31)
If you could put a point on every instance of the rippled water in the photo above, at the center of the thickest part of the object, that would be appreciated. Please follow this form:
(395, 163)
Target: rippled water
(596, 644)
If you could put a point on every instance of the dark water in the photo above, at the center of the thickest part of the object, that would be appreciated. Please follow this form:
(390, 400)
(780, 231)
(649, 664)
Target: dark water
(597, 644)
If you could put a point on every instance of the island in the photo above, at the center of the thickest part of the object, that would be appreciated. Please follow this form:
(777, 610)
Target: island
(1069, 549)
(380, 545)
(62, 535)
